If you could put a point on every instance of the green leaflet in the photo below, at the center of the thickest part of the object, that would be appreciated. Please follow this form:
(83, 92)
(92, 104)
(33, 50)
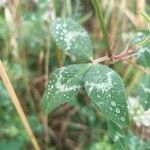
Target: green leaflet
(143, 53)
(117, 136)
(144, 91)
(72, 38)
(143, 56)
(141, 38)
(63, 86)
(106, 90)
(103, 85)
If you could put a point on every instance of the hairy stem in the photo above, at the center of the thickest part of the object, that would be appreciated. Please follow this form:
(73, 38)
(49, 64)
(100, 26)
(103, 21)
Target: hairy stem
(98, 10)
(17, 105)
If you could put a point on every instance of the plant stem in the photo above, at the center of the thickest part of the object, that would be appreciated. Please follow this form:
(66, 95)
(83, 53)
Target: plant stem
(112, 59)
(17, 105)
(98, 10)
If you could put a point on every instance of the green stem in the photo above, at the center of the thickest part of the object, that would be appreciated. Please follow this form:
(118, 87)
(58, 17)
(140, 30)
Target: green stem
(98, 10)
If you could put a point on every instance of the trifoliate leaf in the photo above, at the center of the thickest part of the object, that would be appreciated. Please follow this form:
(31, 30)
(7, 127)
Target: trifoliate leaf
(106, 90)
(143, 56)
(144, 91)
(63, 86)
(72, 38)
(117, 136)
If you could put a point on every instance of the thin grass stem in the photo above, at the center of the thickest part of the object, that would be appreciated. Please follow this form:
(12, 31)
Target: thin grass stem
(17, 105)
(98, 10)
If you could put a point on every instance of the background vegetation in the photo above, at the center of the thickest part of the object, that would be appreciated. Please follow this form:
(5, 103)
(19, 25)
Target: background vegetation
(30, 55)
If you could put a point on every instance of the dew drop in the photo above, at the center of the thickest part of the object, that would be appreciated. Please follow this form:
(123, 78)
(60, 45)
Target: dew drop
(98, 96)
(116, 138)
(122, 119)
(117, 110)
(113, 104)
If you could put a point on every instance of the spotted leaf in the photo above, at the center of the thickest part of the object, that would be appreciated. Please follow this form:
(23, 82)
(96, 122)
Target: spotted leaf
(63, 86)
(143, 56)
(106, 90)
(144, 91)
(72, 38)
(117, 136)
